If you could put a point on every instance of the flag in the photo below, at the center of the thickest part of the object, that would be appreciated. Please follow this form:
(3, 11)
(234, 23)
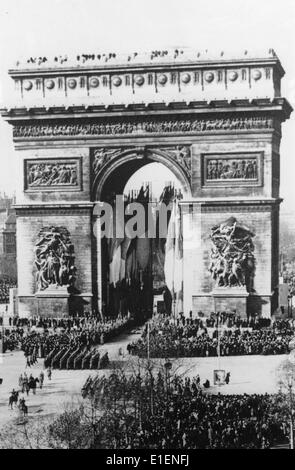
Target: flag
(170, 252)
(128, 263)
(143, 242)
(114, 249)
(173, 266)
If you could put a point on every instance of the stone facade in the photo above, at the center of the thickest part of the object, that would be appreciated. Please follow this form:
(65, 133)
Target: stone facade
(7, 239)
(82, 130)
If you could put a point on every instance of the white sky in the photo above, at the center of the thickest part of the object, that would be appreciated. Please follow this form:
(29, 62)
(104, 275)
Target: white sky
(50, 27)
(156, 173)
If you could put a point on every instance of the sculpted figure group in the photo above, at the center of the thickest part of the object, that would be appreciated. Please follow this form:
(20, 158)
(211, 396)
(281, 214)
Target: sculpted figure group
(232, 256)
(102, 156)
(54, 258)
(232, 169)
(52, 174)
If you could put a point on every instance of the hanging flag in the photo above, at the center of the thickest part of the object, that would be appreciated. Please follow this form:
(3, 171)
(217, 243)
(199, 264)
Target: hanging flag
(173, 266)
(170, 251)
(128, 258)
(115, 266)
(143, 242)
(178, 263)
(131, 266)
(114, 248)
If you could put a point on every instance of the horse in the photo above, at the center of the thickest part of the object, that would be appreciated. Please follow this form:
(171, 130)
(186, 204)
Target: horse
(24, 409)
(33, 384)
(13, 399)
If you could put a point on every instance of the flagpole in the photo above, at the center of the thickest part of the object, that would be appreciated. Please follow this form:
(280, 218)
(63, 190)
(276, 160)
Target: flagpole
(148, 341)
(218, 340)
(173, 266)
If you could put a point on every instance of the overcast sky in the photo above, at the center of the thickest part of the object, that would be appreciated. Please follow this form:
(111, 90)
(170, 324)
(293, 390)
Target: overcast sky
(51, 27)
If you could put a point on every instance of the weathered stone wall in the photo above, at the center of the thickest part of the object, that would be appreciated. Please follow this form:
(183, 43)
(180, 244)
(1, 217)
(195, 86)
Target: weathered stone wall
(259, 219)
(53, 154)
(29, 223)
(200, 214)
(224, 111)
(233, 146)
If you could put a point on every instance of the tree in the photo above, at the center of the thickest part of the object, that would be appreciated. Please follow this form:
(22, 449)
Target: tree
(32, 434)
(286, 373)
(70, 430)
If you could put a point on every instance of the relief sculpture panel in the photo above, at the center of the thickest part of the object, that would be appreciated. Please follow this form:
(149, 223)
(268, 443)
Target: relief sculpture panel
(50, 174)
(232, 255)
(230, 169)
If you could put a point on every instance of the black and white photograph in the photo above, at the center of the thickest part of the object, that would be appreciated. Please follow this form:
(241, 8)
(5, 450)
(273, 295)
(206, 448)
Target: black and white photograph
(147, 227)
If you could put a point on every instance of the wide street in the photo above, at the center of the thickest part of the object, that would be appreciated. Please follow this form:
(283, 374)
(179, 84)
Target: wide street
(249, 374)
(64, 387)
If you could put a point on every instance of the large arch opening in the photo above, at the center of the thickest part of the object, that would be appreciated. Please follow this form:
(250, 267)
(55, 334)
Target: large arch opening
(133, 278)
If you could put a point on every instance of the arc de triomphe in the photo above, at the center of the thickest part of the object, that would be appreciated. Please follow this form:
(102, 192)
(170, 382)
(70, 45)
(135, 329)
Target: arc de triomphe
(83, 127)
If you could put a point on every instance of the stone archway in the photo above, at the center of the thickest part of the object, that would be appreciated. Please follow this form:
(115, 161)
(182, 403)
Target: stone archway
(115, 167)
(111, 160)
(198, 117)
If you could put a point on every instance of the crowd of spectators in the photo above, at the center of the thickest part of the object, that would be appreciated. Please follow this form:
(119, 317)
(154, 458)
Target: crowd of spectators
(102, 57)
(199, 421)
(232, 320)
(88, 321)
(6, 283)
(177, 414)
(92, 59)
(74, 332)
(226, 336)
(11, 340)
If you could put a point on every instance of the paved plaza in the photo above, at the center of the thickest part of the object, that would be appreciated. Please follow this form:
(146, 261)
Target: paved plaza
(64, 387)
(249, 374)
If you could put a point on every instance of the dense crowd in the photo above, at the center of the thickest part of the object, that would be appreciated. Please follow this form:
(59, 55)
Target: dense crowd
(71, 343)
(201, 421)
(231, 320)
(84, 331)
(63, 342)
(194, 338)
(198, 421)
(51, 322)
(11, 339)
(6, 283)
(177, 414)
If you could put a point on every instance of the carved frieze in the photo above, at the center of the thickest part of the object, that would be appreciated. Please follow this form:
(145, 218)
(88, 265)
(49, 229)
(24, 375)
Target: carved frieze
(53, 174)
(229, 169)
(142, 126)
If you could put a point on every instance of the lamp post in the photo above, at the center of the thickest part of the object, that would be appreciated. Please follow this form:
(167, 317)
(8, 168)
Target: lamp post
(168, 367)
(174, 307)
(291, 302)
(148, 341)
(290, 387)
(2, 340)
